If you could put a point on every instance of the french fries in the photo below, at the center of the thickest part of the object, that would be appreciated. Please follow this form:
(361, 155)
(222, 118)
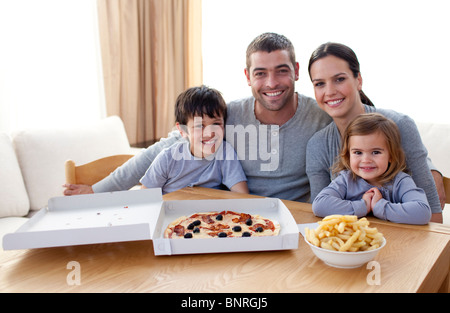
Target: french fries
(345, 233)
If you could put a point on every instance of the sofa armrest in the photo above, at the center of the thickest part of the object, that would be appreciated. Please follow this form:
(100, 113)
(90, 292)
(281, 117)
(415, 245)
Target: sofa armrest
(13, 194)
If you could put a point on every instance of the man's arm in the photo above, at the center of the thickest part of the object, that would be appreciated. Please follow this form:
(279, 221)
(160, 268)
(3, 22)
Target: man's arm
(129, 174)
(74, 189)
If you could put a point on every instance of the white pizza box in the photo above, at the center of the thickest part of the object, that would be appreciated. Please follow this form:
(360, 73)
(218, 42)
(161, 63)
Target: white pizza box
(266, 207)
(143, 215)
(89, 219)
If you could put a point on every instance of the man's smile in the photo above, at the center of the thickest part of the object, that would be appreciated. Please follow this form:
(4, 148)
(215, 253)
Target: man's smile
(273, 93)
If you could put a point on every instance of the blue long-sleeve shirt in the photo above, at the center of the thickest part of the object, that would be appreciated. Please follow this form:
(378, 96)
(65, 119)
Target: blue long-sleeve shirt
(403, 201)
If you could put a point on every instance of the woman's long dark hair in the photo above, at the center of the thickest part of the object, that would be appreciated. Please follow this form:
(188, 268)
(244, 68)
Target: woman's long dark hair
(342, 52)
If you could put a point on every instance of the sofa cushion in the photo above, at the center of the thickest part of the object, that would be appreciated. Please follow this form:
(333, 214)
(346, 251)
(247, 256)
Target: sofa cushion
(436, 139)
(13, 195)
(43, 152)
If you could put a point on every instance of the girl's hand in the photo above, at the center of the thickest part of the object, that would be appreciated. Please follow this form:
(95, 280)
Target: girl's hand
(367, 197)
(376, 197)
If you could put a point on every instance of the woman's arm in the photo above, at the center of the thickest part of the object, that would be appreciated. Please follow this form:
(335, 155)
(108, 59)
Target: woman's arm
(317, 167)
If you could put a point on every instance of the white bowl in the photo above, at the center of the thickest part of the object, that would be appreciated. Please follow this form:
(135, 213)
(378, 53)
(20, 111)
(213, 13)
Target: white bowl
(345, 259)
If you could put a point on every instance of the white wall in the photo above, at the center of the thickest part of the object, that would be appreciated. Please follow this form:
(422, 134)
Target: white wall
(49, 63)
(49, 57)
(403, 46)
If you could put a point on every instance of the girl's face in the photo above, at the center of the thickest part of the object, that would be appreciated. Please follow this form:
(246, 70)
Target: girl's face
(369, 156)
(204, 133)
(335, 88)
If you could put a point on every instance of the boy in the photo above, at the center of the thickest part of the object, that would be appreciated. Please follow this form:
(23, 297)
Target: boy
(203, 158)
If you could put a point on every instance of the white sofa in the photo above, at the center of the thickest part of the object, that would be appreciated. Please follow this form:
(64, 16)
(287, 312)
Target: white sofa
(436, 138)
(32, 162)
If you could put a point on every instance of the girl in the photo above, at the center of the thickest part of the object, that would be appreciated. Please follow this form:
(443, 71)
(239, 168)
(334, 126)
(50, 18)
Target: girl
(335, 74)
(371, 177)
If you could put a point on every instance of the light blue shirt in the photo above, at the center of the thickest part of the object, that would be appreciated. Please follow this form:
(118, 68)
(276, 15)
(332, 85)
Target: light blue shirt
(403, 201)
(175, 168)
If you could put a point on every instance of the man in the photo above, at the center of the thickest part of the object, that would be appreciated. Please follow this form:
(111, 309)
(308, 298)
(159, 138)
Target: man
(269, 131)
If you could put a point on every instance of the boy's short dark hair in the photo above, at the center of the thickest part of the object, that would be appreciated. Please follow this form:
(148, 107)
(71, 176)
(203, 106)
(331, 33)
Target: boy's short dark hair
(197, 101)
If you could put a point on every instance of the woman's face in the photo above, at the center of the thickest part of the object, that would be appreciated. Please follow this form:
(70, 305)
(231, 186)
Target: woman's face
(335, 88)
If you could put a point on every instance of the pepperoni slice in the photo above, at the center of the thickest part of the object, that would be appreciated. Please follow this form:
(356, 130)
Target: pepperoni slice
(179, 230)
(243, 217)
(256, 226)
(216, 227)
(207, 219)
(269, 225)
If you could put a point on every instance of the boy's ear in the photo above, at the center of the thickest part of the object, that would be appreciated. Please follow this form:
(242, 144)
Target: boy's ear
(182, 129)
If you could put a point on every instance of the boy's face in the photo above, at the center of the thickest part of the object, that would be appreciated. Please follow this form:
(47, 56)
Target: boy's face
(204, 133)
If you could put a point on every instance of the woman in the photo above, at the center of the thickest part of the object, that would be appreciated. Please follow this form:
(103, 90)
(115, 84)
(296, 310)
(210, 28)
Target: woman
(334, 72)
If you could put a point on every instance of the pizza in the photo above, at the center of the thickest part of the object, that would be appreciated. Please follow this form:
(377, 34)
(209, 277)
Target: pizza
(221, 224)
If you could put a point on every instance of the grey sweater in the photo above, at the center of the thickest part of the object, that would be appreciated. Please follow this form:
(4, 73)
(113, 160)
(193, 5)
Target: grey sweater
(273, 157)
(325, 145)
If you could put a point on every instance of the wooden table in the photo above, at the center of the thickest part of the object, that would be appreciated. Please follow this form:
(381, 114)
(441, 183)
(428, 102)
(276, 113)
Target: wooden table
(415, 259)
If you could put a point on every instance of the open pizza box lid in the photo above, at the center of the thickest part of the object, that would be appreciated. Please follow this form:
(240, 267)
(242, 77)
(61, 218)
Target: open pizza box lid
(143, 215)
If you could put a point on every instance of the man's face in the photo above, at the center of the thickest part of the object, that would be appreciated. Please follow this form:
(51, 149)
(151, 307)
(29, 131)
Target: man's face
(272, 78)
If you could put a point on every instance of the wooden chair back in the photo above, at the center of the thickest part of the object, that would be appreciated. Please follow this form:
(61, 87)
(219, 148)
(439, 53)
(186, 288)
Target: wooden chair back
(92, 172)
(447, 189)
